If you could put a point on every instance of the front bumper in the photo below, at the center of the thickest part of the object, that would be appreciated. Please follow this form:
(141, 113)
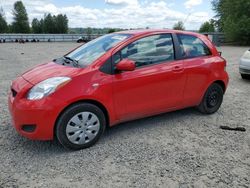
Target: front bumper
(244, 70)
(41, 114)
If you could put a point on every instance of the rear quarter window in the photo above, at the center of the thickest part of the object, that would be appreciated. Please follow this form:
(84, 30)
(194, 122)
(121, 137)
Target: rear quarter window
(192, 46)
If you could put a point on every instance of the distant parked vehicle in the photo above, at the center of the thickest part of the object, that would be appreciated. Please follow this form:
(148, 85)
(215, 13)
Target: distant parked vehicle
(245, 65)
(83, 39)
(21, 41)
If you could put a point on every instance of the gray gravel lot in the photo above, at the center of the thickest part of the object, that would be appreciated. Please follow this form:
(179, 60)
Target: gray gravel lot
(178, 149)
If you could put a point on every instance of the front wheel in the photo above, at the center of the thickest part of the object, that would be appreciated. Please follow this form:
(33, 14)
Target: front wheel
(80, 126)
(212, 99)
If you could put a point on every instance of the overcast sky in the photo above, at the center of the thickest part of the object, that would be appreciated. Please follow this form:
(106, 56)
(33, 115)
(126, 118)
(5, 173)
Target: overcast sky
(120, 13)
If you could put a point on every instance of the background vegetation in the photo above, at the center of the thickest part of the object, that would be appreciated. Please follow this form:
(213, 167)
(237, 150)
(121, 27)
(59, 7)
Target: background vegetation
(49, 24)
(179, 26)
(57, 24)
(232, 18)
(208, 26)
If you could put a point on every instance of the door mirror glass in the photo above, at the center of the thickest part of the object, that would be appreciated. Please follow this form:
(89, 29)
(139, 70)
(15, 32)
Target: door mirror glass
(126, 65)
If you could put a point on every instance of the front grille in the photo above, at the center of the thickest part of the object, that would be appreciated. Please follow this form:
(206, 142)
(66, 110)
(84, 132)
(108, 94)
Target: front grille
(14, 93)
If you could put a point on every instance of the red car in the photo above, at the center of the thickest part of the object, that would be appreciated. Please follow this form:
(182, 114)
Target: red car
(116, 78)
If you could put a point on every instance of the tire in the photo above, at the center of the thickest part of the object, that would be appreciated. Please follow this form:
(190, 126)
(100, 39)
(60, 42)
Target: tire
(80, 41)
(80, 126)
(212, 99)
(245, 76)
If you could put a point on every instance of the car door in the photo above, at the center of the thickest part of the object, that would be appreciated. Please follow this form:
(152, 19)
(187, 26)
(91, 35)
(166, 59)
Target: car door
(197, 59)
(157, 83)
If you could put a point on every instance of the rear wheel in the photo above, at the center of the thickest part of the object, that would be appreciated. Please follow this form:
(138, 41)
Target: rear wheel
(212, 99)
(80, 126)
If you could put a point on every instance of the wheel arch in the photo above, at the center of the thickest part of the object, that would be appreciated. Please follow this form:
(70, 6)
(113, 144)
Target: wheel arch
(221, 83)
(90, 101)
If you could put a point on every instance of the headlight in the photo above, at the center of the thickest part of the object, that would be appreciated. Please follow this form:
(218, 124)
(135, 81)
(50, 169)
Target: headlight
(46, 87)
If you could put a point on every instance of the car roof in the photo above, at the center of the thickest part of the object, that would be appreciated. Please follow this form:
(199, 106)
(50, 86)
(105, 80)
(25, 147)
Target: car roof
(152, 31)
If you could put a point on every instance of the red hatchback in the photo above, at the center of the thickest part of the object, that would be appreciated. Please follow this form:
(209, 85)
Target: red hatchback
(116, 78)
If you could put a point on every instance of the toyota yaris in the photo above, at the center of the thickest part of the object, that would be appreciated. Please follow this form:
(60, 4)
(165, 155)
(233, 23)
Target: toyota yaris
(116, 78)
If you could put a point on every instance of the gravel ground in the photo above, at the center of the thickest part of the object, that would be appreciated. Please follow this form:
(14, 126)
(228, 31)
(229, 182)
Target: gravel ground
(178, 149)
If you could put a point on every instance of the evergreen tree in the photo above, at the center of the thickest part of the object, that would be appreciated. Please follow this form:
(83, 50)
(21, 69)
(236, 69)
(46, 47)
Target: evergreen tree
(3, 23)
(41, 25)
(36, 26)
(49, 25)
(55, 24)
(21, 21)
(61, 24)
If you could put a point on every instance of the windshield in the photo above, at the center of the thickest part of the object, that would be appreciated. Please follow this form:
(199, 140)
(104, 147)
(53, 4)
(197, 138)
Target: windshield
(89, 52)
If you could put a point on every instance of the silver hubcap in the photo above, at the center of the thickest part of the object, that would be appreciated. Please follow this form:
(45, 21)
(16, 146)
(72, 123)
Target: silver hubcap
(82, 128)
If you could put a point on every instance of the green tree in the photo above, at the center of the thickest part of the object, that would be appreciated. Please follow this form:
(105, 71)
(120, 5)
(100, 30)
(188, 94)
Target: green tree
(20, 16)
(36, 27)
(207, 27)
(3, 23)
(179, 26)
(41, 25)
(111, 30)
(55, 24)
(234, 19)
(49, 24)
(61, 23)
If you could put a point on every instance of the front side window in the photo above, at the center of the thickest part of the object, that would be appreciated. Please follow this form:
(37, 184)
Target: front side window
(149, 50)
(92, 50)
(192, 46)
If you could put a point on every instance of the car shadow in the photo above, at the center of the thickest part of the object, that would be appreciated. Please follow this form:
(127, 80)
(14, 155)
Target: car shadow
(54, 148)
(149, 122)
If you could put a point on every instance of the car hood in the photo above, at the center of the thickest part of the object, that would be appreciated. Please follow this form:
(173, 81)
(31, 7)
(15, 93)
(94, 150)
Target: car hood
(48, 70)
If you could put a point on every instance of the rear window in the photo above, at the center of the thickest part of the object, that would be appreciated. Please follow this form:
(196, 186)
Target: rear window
(192, 46)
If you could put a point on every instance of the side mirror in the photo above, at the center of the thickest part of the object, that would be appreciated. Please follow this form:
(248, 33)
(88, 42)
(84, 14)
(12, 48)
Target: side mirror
(126, 65)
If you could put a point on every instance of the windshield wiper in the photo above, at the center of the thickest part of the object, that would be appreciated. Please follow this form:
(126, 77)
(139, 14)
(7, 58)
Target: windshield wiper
(75, 62)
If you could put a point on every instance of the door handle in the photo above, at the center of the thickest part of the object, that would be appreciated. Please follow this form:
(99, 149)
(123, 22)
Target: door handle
(178, 68)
